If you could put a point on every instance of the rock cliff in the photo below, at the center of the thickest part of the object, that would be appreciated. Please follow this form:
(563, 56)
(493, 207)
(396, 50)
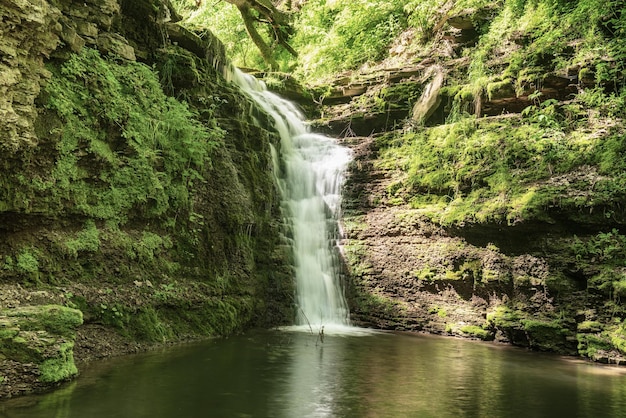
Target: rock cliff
(485, 198)
(136, 193)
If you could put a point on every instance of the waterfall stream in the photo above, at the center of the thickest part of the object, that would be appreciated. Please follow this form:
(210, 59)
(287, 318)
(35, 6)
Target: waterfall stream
(309, 171)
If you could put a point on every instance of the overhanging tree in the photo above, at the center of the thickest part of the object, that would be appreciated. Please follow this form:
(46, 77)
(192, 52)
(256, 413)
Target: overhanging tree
(254, 12)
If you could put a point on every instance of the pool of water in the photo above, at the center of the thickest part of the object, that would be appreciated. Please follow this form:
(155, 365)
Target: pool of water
(294, 373)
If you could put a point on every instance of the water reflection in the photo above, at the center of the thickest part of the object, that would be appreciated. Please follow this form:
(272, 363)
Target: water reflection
(293, 374)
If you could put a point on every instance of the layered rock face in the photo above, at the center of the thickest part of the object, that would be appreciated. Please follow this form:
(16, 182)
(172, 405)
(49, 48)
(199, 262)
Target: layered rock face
(491, 207)
(135, 190)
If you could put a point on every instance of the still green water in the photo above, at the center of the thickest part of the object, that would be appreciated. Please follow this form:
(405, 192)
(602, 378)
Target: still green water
(294, 374)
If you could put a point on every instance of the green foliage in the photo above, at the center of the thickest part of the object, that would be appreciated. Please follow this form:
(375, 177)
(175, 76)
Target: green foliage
(27, 262)
(526, 40)
(225, 21)
(87, 240)
(147, 326)
(602, 341)
(605, 247)
(329, 36)
(589, 326)
(150, 245)
(115, 315)
(504, 317)
(214, 316)
(606, 251)
(423, 16)
(610, 104)
(591, 345)
(124, 146)
(335, 36)
(549, 333)
(544, 114)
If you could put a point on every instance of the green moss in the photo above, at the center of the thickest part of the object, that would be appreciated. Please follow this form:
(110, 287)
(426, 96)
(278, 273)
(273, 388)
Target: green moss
(589, 327)
(503, 317)
(543, 333)
(356, 258)
(499, 89)
(492, 170)
(472, 270)
(438, 310)
(8, 331)
(477, 332)
(377, 305)
(56, 319)
(546, 334)
(590, 345)
(61, 367)
(118, 125)
(25, 348)
(426, 273)
(42, 335)
(87, 240)
(595, 340)
(146, 325)
(212, 317)
(453, 275)
(27, 262)
(344, 35)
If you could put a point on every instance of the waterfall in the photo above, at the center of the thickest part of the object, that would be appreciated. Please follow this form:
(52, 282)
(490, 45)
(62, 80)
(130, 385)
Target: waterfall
(309, 171)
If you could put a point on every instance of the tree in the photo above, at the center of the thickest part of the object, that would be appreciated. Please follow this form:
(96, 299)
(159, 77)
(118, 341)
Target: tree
(278, 21)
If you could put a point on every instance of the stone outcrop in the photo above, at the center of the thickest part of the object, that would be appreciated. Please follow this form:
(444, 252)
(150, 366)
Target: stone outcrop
(37, 344)
(30, 33)
(430, 99)
(376, 103)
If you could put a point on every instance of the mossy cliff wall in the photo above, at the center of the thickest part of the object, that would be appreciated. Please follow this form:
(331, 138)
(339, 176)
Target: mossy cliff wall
(135, 186)
(486, 198)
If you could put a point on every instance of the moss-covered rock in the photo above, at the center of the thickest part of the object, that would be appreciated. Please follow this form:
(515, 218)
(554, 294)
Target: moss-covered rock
(42, 335)
(602, 343)
(545, 334)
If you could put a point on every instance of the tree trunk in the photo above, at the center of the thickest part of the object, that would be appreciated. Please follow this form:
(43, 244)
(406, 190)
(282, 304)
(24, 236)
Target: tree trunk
(270, 15)
(266, 51)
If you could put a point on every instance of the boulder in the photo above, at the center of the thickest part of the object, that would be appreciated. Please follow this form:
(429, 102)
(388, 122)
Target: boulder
(430, 100)
(114, 44)
(39, 340)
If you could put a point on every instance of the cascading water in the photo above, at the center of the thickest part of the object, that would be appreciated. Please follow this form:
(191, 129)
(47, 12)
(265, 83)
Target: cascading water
(313, 168)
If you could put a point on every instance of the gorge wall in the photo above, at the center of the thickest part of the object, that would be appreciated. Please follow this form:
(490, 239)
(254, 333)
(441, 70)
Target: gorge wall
(137, 203)
(486, 195)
